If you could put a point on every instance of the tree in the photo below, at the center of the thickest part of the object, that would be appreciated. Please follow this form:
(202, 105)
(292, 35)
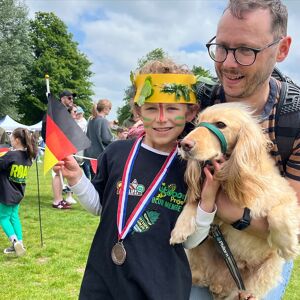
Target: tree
(124, 112)
(57, 55)
(15, 55)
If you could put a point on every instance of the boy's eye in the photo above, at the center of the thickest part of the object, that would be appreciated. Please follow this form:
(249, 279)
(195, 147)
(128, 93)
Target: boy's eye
(172, 108)
(151, 108)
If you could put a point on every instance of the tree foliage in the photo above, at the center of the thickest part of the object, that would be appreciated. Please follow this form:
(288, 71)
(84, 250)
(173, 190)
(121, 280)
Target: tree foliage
(15, 55)
(55, 54)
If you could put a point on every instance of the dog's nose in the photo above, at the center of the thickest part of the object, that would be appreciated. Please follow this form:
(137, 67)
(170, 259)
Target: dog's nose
(187, 145)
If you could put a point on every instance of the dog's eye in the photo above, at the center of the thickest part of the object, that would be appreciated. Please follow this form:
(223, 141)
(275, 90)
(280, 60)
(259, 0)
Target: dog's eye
(220, 125)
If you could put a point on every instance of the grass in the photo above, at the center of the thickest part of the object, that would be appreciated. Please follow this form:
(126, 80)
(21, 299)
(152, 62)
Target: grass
(55, 270)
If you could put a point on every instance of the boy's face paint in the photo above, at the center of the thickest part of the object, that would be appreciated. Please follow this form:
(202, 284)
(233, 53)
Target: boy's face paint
(161, 112)
(163, 123)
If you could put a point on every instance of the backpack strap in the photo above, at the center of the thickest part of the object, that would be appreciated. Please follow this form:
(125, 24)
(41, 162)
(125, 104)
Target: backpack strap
(206, 93)
(287, 119)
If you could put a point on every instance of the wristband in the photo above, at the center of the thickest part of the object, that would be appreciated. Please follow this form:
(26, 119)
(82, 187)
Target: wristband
(244, 222)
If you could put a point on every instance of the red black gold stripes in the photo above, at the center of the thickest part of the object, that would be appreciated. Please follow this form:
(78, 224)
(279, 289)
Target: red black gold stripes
(63, 135)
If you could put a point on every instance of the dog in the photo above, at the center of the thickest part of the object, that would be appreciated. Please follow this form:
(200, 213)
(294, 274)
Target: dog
(251, 179)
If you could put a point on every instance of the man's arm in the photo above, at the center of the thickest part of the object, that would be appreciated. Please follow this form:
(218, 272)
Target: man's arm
(230, 213)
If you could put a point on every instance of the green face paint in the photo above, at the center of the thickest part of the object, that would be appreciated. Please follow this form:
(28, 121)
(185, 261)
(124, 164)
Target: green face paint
(147, 119)
(179, 118)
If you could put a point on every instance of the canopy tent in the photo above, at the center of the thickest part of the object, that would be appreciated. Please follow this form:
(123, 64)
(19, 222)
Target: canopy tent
(9, 124)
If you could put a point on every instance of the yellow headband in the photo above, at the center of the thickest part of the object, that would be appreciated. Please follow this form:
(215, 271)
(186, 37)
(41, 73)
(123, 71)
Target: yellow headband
(165, 88)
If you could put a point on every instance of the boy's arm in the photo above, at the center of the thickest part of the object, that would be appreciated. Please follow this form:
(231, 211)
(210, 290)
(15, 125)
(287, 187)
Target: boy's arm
(203, 221)
(79, 184)
(206, 209)
(88, 197)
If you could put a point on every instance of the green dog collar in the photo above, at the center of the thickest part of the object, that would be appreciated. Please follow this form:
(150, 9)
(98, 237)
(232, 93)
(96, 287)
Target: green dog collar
(217, 132)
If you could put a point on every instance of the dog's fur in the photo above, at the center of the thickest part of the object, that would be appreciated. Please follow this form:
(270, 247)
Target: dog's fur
(251, 179)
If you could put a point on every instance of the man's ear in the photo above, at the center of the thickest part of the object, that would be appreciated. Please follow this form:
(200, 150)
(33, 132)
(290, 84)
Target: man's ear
(283, 49)
(192, 112)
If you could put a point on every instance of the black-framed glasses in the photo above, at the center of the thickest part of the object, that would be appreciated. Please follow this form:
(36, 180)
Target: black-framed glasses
(70, 97)
(244, 56)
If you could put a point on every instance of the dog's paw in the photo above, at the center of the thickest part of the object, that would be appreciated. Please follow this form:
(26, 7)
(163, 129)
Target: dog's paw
(182, 231)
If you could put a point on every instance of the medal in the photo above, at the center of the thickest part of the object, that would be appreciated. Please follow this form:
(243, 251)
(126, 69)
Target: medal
(118, 253)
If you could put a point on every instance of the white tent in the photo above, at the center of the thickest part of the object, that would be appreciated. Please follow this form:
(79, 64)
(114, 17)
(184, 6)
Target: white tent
(9, 124)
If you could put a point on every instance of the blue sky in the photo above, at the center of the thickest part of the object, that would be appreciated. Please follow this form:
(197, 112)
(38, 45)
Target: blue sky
(114, 34)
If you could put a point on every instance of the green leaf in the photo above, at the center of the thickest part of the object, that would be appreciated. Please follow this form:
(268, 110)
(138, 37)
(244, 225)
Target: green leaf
(146, 92)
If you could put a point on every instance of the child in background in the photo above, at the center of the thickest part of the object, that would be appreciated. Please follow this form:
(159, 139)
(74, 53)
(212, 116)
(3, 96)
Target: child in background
(14, 166)
(139, 190)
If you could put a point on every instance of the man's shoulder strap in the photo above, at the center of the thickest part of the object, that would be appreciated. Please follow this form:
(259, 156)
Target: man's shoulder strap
(287, 118)
(206, 92)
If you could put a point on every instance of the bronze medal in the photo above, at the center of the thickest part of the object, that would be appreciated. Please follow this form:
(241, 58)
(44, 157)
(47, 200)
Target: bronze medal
(118, 253)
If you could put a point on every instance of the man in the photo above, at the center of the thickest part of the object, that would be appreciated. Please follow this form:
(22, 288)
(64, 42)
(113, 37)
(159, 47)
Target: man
(251, 38)
(66, 98)
(98, 131)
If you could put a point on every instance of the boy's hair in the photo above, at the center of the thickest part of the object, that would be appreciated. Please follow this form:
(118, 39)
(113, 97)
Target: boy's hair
(163, 66)
(277, 9)
(27, 140)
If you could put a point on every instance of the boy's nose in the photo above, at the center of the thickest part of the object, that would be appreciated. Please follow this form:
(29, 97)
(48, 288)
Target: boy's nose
(161, 114)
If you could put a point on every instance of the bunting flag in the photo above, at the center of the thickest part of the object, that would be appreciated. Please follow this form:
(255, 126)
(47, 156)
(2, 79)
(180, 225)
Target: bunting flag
(63, 135)
(94, 164)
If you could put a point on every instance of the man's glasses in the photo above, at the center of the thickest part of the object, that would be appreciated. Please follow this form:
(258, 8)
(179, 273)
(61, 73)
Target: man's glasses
(70, 97)
(244, 56)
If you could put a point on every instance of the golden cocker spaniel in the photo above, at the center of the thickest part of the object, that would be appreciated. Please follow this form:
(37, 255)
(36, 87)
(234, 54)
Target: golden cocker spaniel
(251, 179)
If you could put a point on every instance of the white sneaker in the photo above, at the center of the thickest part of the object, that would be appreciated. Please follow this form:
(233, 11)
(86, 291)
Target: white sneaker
(19, 248)
(70, 200)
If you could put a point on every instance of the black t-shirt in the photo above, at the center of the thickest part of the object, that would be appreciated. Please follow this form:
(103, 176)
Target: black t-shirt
(14, 167)
(153, 269)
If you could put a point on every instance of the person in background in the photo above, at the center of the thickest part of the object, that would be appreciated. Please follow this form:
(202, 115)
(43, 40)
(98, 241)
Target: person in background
(122, 133)
(14, 166)
(80, 120)
(251, 38)
(73, 111)
(98, 131)
(139, 191)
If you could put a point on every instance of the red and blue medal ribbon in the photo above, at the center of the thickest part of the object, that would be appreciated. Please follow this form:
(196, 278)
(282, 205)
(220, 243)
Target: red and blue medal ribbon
(143, 202)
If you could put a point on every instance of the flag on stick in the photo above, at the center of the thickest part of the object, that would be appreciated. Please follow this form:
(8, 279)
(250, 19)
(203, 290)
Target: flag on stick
(63, 135)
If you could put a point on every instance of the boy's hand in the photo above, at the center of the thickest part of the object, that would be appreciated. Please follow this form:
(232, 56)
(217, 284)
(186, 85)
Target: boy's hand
(70, 169)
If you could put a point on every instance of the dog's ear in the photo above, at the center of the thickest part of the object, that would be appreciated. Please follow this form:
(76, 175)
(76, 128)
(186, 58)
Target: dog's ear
(192, 177)
(241, 172)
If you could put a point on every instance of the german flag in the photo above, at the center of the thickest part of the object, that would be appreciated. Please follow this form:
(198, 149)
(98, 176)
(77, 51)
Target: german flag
(63, 135)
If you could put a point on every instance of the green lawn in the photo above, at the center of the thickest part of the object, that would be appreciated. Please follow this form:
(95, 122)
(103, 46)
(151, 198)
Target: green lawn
(55, 270)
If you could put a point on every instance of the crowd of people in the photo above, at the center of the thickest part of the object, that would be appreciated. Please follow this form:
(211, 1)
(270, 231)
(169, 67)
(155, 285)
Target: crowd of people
(139, 157)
